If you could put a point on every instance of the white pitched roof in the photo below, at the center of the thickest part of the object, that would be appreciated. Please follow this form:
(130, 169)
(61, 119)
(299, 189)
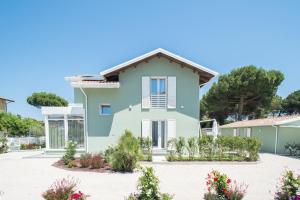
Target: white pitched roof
(263, 122)
(154, 52)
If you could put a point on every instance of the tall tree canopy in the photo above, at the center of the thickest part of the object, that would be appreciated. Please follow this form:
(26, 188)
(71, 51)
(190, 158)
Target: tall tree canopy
(244, 92)
(39, 99)
(275, 108)
(291, 104)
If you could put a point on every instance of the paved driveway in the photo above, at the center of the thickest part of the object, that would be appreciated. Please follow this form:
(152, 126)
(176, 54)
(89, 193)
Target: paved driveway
(26, 178)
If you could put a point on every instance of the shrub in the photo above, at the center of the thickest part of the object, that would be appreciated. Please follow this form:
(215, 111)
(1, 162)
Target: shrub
(60, 190)
(85, 160)
(29, 146)
(221, 148)
(97, 161)
(205, 145)
(289, 187)
(292, 148)
(171, 149)
(3, 144)
(148, 188)
(70, 152)
(220, 187)
(108, 154)
(192, 147)
(146, 146)
(179, 145)
(71, 164)
(253, 146)
(127, 153)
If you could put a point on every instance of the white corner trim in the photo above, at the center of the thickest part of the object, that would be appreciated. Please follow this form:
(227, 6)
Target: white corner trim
(84, 84)
(156, 51)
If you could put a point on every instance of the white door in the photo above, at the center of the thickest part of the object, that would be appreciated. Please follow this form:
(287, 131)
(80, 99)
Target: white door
(158, 134)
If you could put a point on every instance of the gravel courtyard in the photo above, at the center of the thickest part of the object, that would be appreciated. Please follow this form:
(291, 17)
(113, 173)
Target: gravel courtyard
(26, 178)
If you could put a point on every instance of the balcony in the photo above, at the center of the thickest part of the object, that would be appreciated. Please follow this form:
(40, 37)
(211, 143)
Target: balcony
(158, 101)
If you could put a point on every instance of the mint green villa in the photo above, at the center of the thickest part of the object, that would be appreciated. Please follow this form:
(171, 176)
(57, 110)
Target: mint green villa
(274, 133)
(155, 95)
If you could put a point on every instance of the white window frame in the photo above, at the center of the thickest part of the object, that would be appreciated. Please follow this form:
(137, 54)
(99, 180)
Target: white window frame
(235, 132)
(64, 118)
(158, 88)
(248, 132)
(159, 131)
(100, 109)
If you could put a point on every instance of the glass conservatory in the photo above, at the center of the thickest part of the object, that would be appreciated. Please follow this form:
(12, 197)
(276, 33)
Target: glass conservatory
(63, 124)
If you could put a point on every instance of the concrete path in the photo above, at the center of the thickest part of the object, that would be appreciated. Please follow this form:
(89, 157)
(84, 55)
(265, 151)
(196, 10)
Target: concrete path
(26, 178)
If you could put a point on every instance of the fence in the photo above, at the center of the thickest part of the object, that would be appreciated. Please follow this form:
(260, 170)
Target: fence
(14, 143)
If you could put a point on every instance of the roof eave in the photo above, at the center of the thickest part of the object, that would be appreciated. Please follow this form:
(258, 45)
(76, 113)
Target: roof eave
(95, 85)
(158, 51)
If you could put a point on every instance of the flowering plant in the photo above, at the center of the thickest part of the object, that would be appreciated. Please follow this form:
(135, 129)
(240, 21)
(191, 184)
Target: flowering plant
(289, 187)
(78, 196)
(219, 186)
(64, 189)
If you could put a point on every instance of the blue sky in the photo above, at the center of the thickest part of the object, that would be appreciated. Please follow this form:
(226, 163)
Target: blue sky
(41, 42)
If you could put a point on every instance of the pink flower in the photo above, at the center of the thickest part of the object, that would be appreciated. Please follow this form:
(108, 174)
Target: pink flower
(208, 189)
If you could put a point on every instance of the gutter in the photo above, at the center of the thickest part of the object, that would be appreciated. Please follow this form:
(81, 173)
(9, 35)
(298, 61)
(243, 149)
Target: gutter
(86, 118)
(276, 138)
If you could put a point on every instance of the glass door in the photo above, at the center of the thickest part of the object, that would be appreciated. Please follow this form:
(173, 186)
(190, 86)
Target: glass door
(158, 129)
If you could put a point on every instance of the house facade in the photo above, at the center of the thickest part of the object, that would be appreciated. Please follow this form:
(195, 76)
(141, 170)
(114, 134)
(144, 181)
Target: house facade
(3, 103)
(274, 133)
(155, 95)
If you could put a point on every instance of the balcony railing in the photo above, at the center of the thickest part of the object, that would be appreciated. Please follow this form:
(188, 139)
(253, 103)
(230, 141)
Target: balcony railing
(158, 101)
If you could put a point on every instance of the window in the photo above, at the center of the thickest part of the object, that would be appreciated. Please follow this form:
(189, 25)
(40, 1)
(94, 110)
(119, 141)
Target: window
(248, 132)
(56, 134)
(236, 132)
(158, 96)
(76, 130)
(105, 109)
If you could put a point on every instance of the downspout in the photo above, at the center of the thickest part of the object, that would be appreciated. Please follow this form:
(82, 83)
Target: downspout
(276, 138)
(86, 118)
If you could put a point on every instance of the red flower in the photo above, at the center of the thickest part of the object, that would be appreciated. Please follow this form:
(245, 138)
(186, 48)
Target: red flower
(216, 179)
(76, 196)
(224, 190)
(228, 181)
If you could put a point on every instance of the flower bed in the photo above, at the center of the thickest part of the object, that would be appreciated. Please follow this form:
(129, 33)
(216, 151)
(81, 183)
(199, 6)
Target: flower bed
(86, 162)
(78, 167)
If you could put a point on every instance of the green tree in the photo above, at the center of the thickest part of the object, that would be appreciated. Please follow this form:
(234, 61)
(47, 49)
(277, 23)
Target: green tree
(15, 125)
(245, 91)
(291, 104)
(275, 108)
(39, 99)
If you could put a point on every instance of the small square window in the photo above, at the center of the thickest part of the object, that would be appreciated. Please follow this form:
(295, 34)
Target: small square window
(105, 110)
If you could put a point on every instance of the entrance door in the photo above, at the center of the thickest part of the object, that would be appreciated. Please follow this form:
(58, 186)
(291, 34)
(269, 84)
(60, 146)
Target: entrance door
(158, 130)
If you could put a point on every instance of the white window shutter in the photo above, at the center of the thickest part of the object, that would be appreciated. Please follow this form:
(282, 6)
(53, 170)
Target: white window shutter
(145, 92)
(234, 132)
(172, 92)
(145, 128)
(171, 128)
